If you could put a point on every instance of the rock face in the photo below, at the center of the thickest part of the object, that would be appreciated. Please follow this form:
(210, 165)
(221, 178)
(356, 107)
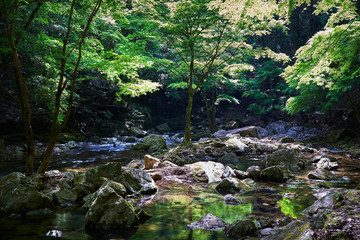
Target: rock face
(208, 222)
(283, 157)
(214, 171)
(296, 230)
(19, 194)
(275, 174)
(240, 229)
(151, 143)
(110, 211)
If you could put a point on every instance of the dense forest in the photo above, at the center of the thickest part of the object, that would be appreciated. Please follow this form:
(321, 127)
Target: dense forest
(180, 119)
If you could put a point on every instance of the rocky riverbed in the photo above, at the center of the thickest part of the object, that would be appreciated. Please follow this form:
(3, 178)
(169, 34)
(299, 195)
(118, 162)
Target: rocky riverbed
(239, 183)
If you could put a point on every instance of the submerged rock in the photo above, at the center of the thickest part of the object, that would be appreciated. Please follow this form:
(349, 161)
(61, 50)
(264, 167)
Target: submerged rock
(208, 222)
(230, 200)
(240, 229)
(296, 230)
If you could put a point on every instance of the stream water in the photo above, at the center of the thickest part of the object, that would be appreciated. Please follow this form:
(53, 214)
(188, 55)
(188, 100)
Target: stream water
(172, 208)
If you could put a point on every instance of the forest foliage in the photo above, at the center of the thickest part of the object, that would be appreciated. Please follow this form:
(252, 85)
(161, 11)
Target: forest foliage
(210, 47)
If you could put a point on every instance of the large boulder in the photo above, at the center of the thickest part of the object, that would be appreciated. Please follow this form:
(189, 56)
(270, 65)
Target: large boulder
(283, 157)
(275, 173)
(277, 128)
(240, 229)
(296, 230)
(208, 222)
(213, 170)
(232, 184)
(110, 211)
(151, 143)
(20, 194)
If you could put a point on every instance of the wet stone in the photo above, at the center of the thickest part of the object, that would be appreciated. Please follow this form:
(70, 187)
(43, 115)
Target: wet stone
(208, 222)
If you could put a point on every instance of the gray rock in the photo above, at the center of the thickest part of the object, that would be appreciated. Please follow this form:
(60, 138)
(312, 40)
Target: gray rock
(151, 143)
(213, 170)
(231, 125)
(254, 172)
(208, 222)
(72, 145)
(276, 128)
(163, 128)
(321, 174)
(137, 180)
(325, 163)
(137, 132)
(233, 184)
(275, 174)
(229, 172)
(249, 131)
(230, 200)
(241, 174)
(228, 158)
(20, 194)
(317, 158)
(99, 174)
(65, 196)
(240, 229)
(296, 230)
(237, 145)
(283, 157)
(110, 211)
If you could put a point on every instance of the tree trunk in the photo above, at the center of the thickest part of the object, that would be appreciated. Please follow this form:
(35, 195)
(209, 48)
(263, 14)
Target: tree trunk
(187, 136)
(210, 111)
(22, 94)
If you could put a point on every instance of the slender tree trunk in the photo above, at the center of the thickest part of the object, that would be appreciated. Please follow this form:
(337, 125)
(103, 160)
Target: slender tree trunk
(187, 136)
(56, 128)
(213, 111)
(22, 94)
